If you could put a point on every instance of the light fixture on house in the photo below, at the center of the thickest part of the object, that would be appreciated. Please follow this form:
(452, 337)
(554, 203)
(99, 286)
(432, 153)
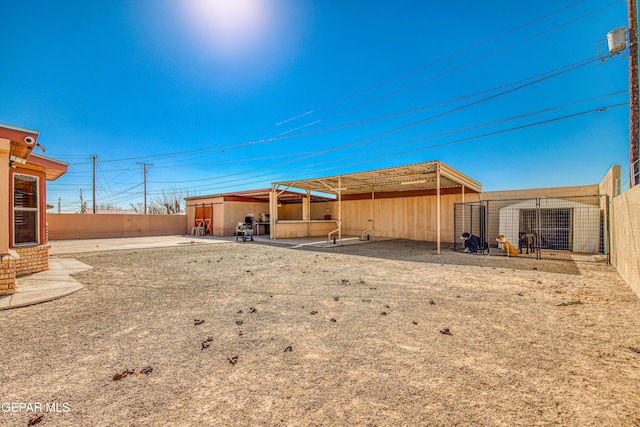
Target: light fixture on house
(414, 182)
(17, 160)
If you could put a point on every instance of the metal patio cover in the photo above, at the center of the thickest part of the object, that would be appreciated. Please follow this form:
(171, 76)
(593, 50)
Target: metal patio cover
(415, 177)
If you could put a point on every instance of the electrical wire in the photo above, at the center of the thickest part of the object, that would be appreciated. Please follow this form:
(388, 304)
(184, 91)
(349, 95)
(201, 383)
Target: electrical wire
(459, 141)
(458, 53)
(368, 140)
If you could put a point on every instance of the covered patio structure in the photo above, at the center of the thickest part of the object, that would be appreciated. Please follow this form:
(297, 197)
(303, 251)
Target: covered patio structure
(413, 202)
(218, 214)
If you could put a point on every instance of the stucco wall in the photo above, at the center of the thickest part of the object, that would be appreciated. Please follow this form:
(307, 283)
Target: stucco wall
(412, 218)
(625, 236)
(318, 210)
(226, 214)
(217, 206)
(609, 184)
(292, 229)
(581, 190)
(89, 226)
(235, 212)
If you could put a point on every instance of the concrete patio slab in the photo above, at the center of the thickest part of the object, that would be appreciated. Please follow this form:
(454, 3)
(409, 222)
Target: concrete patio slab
(59, 247)
(46, 285)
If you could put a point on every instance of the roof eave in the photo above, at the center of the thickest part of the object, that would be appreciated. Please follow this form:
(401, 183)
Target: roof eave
(53, 168)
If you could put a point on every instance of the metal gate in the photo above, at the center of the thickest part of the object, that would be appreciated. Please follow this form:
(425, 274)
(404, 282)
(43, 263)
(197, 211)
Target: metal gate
(469, 218)
(565, 228)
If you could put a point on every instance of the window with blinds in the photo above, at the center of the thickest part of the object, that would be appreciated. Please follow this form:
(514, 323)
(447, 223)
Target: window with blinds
(25, 209)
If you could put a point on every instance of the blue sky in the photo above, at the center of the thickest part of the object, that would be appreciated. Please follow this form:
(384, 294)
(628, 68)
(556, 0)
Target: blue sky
(228, 95)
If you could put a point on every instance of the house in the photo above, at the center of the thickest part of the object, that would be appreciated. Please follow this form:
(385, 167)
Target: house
(220, 213)
(411, 202)
(23, 217)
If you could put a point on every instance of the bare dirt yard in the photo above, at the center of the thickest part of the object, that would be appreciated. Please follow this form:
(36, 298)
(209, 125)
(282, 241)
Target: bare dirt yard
(381, 334)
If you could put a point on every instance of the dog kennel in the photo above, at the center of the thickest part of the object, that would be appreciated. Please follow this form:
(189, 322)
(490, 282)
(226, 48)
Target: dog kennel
(573, 228)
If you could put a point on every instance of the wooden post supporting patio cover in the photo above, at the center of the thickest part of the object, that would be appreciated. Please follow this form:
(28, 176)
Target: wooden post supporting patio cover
(306, 211)
(373, 212)
(438, 205)
(339, 210)
(273, 211)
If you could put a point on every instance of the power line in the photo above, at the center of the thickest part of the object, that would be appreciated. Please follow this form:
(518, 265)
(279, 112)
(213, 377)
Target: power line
(459, 141)
(481, 58)
(521, 84)
(368, 140)
(334, 161)
(400, 77)
(415, 137)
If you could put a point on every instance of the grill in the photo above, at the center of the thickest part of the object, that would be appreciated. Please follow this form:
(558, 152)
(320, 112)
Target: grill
(245, 229)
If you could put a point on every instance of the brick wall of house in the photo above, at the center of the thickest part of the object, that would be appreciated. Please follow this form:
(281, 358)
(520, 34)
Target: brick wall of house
(7, 276)
(32, 260)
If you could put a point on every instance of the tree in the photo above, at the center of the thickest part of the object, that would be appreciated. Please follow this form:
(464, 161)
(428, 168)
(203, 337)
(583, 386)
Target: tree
(107, 207)
(173, 200)
(170, 202)
(138, 207)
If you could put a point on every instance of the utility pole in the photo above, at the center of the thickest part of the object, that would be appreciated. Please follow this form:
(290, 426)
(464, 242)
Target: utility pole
(95, 158)
(634, 116)
(144, 165)
(59, 203)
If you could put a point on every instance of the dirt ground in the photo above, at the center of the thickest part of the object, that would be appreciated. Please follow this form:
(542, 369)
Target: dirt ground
(333, 337)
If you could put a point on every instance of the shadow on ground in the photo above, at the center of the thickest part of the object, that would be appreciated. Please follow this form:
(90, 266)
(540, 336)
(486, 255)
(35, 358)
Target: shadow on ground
(418, 251)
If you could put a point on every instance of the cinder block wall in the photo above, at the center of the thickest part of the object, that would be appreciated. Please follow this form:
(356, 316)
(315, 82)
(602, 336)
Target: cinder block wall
(625, 235)
(101, 226)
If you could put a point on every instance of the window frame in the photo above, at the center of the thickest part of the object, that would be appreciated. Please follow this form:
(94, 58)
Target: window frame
(21, 209)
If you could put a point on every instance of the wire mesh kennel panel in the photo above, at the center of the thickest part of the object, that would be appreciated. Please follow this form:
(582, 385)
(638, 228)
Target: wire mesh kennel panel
(468, 218)
(569, 228)
(574, 228)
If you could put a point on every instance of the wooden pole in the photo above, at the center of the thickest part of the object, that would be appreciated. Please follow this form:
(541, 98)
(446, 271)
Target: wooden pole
(633, 92)
(95, 158)
(145, 170)
(145, 188)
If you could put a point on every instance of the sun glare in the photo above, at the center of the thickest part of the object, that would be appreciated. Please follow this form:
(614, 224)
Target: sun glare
(229, 28)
